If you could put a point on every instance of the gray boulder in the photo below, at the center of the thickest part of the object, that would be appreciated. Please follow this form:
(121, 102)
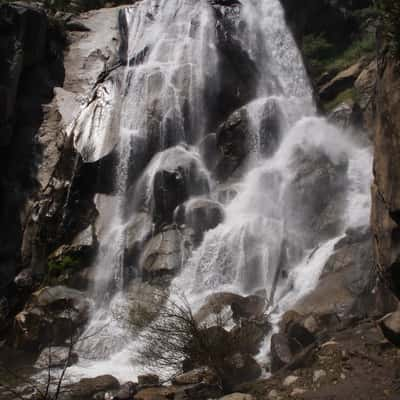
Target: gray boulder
(53, 316)
(163, 254)
(200, 215)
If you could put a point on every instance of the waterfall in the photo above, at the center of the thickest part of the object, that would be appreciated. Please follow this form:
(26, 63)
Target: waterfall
(302, 184)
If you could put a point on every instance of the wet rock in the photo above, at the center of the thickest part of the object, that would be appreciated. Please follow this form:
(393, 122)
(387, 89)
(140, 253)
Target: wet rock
(344, 286)
(180, 174)
(200, 215)
(209, 151)
(195, 376)
(240, 77)
(320, 186)
(250, 307)
(148, 380)
(56, 357)
(53, 315)
(281, 354)
(138, 231)
(86, 388)
(145, 301)
(163, 254)
(249, 335)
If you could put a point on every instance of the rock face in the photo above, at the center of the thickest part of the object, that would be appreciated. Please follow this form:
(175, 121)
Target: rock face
(31, 54)
(385, 218)
(52, 317)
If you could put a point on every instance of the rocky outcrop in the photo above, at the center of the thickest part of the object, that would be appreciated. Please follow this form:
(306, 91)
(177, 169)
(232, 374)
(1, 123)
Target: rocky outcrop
(385, 218)
(31, 54)
(52, 317)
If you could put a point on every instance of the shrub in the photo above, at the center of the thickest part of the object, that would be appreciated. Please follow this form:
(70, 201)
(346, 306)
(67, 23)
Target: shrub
(60, 265)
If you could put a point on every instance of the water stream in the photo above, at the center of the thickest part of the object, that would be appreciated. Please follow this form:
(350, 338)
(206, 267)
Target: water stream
(278, 210)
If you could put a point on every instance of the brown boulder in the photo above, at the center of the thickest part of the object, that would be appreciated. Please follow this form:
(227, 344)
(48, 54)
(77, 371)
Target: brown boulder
(342, 81)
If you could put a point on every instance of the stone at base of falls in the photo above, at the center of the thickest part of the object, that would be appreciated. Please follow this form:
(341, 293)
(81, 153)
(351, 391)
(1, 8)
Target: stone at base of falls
(249, 307)
(56, 357)
(53, 315)
(148, 380)
(86, 388)
(281, 355)
(126, 392)
(200, 391)
(237, 396)
(198, 375)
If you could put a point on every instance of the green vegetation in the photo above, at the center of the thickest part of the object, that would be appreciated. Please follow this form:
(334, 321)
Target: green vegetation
(390, 13)
(58, 266)
(324, 56)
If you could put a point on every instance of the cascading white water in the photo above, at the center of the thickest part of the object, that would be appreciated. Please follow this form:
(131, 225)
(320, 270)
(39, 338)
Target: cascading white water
(171, 61)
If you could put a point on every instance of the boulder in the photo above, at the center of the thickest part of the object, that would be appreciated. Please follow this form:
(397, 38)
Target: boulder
(281, 354)
(319, 185)
(249, 335)
(342, 81)
(240, 368)
(56, 357)
(344, 288)
(148, 380)
(126, 392)
(86, 388)
(200, 215)
(53, 316)
(195, 376)
(173, 176)
(249, 307)
(237, 396)
(163, 254)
